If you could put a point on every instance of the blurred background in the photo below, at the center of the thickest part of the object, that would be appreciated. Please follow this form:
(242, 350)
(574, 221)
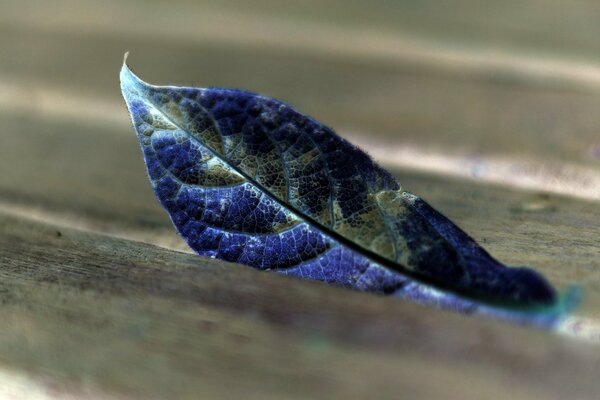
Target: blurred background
(489, 110)
(462, 99)
(482, 108)
(506, 92)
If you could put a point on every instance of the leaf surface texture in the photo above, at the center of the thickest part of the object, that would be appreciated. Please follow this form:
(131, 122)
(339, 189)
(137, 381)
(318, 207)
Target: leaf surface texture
(248, 179)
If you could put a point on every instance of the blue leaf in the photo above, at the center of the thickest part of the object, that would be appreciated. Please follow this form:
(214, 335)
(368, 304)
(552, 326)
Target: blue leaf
(248, 179)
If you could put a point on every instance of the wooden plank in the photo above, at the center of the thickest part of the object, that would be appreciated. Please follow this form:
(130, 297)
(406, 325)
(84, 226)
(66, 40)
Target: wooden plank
(93, 314)
(401, 100)
(98, 182)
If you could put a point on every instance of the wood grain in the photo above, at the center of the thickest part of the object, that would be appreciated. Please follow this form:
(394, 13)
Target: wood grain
(134, 320)
(99, 297)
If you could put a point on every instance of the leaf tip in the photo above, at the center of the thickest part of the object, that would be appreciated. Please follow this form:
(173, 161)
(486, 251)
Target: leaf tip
(126, 75)
(129, 81)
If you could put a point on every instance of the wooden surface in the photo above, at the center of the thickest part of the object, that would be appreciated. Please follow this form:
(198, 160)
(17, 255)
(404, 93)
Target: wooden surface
(100, 298)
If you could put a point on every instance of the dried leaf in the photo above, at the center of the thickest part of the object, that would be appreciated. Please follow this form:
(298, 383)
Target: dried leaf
(248, 179)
